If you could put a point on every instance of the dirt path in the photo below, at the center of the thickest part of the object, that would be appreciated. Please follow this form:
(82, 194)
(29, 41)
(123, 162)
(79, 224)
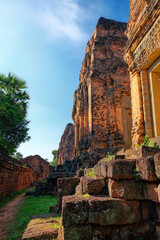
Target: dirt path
(7, 214)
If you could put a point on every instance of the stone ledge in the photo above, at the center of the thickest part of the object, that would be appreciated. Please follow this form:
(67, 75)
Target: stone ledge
(129, 190)
(140, 151)
(92, 186)
(78, 210)
(121, 169)
(145, 169)
(109, 211)
(42, 228)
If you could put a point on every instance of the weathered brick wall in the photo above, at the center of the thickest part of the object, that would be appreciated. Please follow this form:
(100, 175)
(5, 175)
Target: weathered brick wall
(14, 176)
(66, 145)
(137, 9)
(39, 165)
(104, 81)
(142, 51)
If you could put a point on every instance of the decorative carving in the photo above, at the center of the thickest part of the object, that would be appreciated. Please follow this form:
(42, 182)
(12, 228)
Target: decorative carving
(137, 21)
(149, 44)
(143, 31)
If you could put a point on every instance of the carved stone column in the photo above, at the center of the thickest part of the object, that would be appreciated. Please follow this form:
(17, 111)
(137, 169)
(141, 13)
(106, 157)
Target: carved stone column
(76, 135)
(81, 126)
(90, 107)
(86, 122)
(138, 130)
(146, 103)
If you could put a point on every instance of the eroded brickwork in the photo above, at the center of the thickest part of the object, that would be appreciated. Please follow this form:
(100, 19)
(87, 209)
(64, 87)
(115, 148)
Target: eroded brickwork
(14, 176)
(66, 145)
(39, 165)
(142, 56)
(102, 100)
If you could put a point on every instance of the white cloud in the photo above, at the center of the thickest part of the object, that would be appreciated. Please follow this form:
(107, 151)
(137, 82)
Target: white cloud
(62, 20)
(59, 19)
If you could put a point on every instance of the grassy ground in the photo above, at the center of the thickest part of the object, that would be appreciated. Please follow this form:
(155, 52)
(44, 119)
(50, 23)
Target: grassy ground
(30, 206)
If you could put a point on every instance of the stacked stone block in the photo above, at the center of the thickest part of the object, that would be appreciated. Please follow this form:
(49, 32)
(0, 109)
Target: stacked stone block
(120, 201)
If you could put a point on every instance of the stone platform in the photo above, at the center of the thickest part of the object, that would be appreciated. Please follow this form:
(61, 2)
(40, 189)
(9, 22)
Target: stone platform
(118, 199)
(43, 227)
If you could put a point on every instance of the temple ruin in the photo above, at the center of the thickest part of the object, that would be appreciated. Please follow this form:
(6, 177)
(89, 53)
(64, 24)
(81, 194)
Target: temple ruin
(102, 108)
(143, 59)
(66, 145)
(119, 197)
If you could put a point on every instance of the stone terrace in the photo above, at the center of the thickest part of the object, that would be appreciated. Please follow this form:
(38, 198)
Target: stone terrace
(118, 199)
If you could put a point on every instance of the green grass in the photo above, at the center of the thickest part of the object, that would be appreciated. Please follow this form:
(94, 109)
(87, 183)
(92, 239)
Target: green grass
(30, 206)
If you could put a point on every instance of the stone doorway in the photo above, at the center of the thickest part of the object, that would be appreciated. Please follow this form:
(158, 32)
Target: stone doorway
(154, 80)
(127, 120)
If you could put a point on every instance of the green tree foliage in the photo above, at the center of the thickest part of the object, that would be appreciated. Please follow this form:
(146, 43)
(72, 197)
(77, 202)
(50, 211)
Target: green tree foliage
(54, 161)
(13, 111)
(18, 155)
(54, 153)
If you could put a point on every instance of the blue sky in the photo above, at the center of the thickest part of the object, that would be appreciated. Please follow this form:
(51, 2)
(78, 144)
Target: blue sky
(43, 42)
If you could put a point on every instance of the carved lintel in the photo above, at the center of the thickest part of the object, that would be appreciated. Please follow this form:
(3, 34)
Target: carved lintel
(149, 44)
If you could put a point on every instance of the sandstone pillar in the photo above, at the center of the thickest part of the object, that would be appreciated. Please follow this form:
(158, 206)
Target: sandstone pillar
(90, 107)
(81, 126)
(86, 112)
(138, 130)
(76, 135)
(142, 51)
(146, 103)
(86, 122)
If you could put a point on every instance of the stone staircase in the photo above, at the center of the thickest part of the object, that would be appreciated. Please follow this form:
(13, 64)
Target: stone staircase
(116, 200)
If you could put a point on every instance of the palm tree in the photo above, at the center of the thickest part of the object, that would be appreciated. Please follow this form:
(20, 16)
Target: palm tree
(13, 111)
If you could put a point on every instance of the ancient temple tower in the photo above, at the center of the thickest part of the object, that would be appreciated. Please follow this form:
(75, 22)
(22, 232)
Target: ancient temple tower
(102, 108)
(66, 145)
(143, 58)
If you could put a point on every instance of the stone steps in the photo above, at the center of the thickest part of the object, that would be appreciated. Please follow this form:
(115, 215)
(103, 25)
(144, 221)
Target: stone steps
(96, 217)
(99, 210)
(140, 151)
(117, 199)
